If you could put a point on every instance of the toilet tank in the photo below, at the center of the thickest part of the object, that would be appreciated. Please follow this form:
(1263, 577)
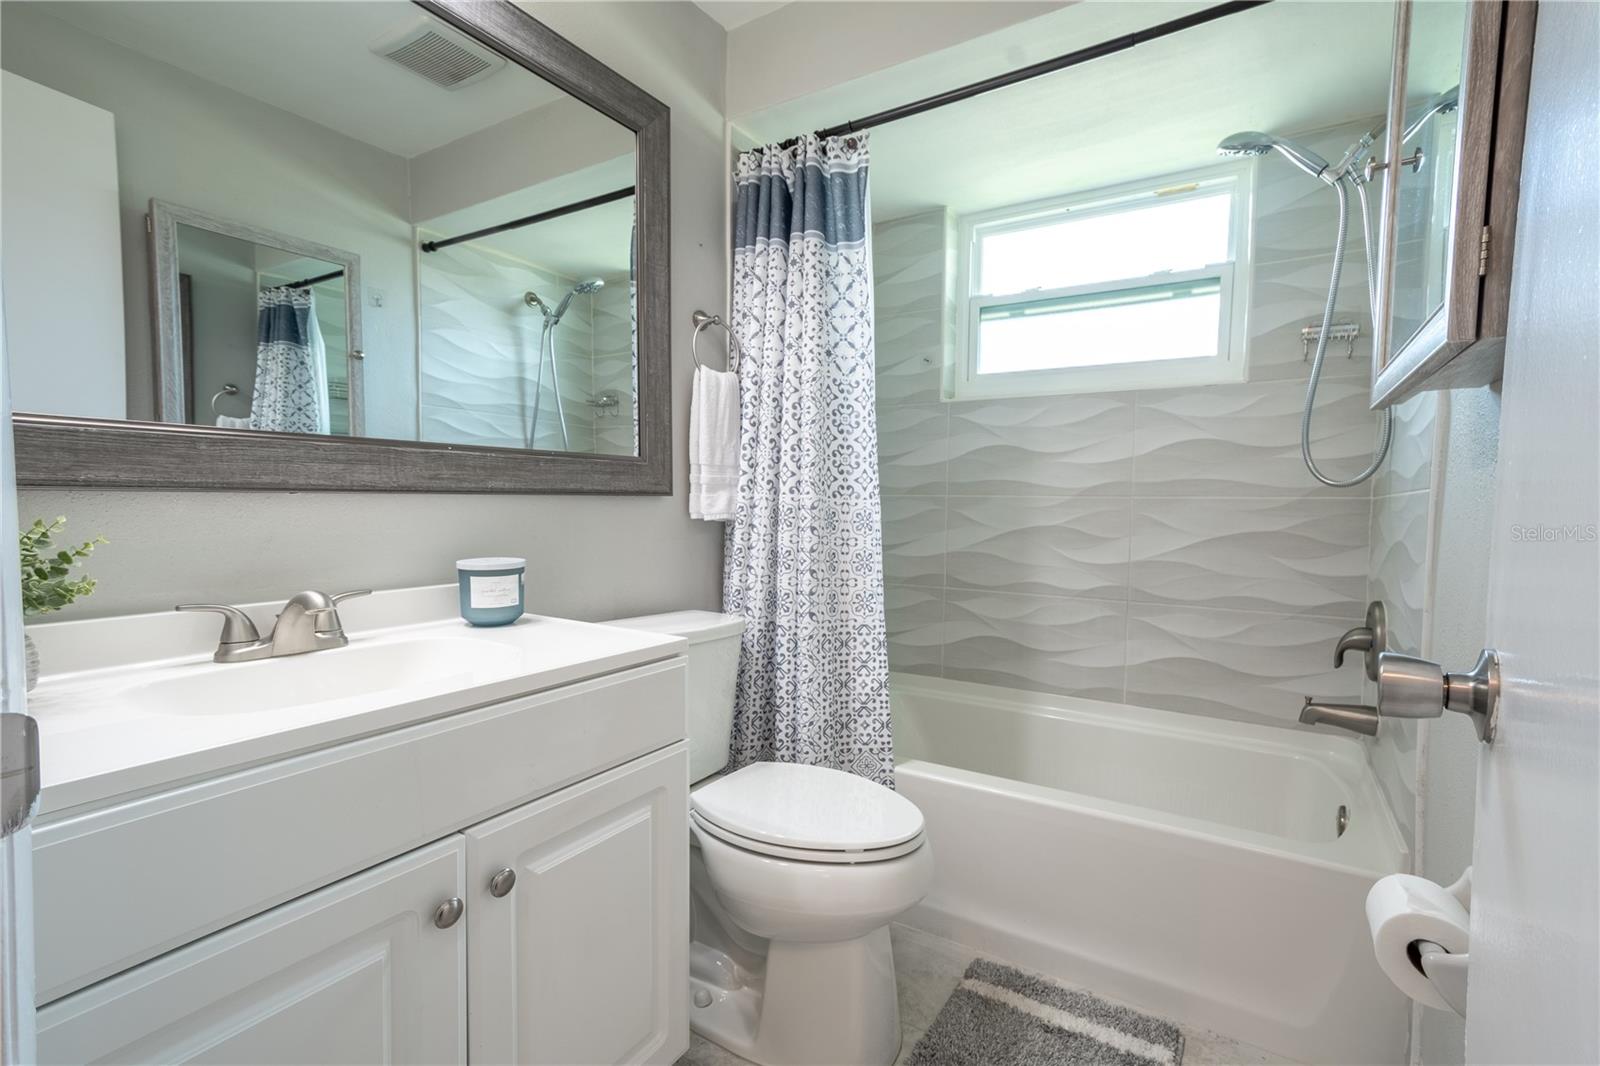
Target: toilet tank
(713, 655)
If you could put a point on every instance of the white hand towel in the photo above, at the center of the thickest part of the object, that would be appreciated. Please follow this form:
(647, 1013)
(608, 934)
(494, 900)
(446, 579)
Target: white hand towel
(230, 422)
(714, 445)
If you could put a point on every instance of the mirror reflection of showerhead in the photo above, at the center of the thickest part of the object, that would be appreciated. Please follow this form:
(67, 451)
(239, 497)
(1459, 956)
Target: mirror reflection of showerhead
(588, 285)
(1442, 104)
(1254, 142)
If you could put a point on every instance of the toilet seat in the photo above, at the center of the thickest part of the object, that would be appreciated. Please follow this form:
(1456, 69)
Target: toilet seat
(807, 814)
(777, 851)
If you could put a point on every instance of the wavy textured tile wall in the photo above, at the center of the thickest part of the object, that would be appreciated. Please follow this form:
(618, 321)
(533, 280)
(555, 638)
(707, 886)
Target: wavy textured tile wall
(1160, 547)
(480, 351)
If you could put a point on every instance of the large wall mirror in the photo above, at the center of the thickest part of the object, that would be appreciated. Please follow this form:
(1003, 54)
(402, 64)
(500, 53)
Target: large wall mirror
(357, 244)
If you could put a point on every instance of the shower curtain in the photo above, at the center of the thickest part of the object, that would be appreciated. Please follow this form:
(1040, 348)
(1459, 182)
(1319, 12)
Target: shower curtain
(803, 560)
(291, 390)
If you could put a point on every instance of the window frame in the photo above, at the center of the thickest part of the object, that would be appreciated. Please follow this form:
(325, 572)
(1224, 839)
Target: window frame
(1231, 362)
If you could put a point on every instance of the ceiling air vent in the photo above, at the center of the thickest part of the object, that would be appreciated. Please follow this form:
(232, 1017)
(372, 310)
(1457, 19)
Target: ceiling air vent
(441, 55)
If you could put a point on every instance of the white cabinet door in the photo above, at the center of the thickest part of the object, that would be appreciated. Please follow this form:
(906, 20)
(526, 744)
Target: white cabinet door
(357, 972)
(585, 958)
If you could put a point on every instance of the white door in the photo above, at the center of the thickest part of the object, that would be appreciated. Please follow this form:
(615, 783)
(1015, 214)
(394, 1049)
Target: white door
(1534, 988)
(357, 972)
(17, 791)
(583, 958)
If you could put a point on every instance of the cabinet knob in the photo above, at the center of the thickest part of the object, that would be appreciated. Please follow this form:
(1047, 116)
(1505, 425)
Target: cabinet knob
(502, 882)
(449, 912)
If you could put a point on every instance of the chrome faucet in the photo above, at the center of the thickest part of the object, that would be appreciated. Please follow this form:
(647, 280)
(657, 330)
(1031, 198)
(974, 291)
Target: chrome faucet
(308, 622)
(1371, 640)
(1356, 717)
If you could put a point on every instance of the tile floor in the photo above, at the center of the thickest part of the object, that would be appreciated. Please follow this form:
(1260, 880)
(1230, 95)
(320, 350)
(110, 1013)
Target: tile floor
(929, 968)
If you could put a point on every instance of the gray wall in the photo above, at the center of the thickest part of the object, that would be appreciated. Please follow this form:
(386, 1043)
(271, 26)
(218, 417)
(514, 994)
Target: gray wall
(1162, 547)
(587, 557)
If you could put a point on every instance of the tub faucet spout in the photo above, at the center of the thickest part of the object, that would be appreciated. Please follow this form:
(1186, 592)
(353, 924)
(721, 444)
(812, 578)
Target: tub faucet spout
(1356, 717)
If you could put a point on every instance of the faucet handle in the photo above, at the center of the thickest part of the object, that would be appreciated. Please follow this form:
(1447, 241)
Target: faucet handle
(1371, 640)
(236, 625)
(340, 597)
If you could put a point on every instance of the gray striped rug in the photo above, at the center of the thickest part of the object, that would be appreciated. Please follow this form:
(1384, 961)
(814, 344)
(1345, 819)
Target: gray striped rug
(1000, 1016)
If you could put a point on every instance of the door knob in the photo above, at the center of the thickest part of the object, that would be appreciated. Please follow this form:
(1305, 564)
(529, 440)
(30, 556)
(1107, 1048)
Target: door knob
(449, 912)
(1415, 688)
(502, 882)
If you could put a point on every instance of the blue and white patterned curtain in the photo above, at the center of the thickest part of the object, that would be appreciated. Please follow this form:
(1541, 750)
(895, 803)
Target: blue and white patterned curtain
(804, 553)
(291, 390)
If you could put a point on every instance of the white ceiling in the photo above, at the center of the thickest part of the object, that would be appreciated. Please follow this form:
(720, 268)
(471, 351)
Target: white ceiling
(1161, 107)
(313, 59)
(735, 13)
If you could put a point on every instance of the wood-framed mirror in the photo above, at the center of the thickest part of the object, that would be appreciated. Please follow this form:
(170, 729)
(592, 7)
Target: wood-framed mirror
(1452, 166)
(425, 247)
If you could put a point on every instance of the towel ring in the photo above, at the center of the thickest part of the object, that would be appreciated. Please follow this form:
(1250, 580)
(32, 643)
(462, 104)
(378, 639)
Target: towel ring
(226, 390)
(701, 321)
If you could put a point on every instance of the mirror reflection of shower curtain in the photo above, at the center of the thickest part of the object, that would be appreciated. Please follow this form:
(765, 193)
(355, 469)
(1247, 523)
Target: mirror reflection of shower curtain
(291, 388)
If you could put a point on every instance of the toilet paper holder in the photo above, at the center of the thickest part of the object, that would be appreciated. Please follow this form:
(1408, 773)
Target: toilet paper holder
(1447, 972)
(1430, 964)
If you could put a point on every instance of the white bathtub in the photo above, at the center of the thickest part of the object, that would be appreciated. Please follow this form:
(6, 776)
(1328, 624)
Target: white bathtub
(1188, 865)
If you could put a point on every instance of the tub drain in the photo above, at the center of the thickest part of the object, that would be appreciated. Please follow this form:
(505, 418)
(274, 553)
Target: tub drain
(1342, 820)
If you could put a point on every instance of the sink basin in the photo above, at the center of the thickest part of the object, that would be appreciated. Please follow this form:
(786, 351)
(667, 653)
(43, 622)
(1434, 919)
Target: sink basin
(419, 667)
(137, 702)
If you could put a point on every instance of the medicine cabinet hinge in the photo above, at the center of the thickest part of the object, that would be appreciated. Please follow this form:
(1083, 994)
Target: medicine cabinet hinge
(1483, 252)
(149, 227)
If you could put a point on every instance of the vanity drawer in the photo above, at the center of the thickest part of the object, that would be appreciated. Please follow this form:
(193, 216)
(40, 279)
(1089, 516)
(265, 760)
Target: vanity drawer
(115, 887)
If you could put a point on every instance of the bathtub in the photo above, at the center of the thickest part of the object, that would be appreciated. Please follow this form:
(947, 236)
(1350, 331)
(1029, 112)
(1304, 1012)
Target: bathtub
(1210, 871)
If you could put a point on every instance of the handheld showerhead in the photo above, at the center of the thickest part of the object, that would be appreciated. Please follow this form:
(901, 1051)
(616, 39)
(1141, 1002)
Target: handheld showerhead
(1254, 142)
(1442, 104)
(582, 288)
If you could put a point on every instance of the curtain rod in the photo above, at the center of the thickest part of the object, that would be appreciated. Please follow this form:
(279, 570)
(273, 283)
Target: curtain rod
(528, 220)
(1047, 66)
(306, 283)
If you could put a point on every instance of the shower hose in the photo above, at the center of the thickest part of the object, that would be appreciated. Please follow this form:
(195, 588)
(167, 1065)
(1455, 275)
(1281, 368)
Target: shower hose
(1387, 420)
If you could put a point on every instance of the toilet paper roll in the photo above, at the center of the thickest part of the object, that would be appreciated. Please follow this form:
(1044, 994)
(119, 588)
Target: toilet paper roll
(1402, 909)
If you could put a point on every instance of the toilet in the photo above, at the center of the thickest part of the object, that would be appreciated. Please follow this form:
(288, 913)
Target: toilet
(795, 874)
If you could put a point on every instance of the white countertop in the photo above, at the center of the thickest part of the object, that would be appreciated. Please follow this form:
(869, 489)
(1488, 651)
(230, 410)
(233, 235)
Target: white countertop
(109, 726)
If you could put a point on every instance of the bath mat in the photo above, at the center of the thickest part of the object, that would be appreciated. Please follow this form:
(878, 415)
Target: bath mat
(1000, 1016)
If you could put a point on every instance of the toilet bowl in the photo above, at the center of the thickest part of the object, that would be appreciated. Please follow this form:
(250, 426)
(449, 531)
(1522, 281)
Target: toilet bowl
(796, 873)
(799, 871)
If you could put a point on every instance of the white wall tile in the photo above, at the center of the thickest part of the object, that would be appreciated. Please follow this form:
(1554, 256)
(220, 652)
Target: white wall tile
(1042, 446)
(1295, 556)
(1042, 643)
(1244, 440)
(1235, 664)
(1041, 545)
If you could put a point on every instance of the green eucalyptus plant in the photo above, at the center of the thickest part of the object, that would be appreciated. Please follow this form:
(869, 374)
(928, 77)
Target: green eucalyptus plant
(47, 581)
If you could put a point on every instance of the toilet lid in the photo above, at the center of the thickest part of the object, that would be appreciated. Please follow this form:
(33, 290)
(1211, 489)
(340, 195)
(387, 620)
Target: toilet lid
(807, 807)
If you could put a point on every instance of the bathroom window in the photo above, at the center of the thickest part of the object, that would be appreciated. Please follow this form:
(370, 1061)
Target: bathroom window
(1139, 286)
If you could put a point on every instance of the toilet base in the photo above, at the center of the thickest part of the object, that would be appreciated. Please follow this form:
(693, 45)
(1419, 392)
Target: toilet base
(833, 1003)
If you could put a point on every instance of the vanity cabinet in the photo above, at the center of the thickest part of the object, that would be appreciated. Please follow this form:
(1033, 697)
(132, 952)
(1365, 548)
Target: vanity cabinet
(343, 905)
(581, 957)
(355, 972)
(584, 957)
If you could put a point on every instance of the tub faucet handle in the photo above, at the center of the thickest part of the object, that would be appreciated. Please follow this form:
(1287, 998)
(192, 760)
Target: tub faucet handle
(1370, 639)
